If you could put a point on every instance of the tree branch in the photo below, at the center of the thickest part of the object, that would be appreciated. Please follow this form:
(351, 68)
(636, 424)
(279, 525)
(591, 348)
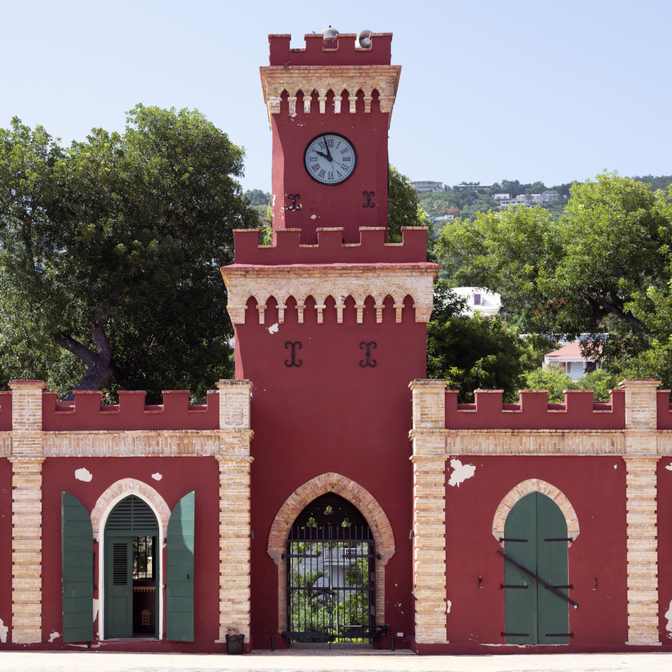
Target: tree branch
(99, 364)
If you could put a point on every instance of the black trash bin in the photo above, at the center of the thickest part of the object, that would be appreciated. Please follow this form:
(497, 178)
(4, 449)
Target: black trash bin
(234, 643)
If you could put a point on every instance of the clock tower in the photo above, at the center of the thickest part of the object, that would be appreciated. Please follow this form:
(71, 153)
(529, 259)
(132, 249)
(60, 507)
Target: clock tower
(329, 106)
(330, 328)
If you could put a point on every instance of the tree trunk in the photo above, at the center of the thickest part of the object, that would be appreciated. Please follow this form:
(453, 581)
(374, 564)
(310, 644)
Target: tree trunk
(99, 363)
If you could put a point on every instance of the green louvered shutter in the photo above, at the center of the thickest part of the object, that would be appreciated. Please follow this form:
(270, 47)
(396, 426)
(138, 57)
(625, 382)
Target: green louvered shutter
(180, 571)
(77, 564)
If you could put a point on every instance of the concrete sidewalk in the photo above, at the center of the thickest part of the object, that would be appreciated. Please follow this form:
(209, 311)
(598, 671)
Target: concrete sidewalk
(331, 661)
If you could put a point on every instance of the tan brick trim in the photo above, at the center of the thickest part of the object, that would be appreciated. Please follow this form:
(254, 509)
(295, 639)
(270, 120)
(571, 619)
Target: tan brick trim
(525, 488)
(141, 443)
(123, 488)
(5, 444)
(642, 550)
(367, 506)
(234, 543)
(429, 540)
(26, 550)
(525, 441)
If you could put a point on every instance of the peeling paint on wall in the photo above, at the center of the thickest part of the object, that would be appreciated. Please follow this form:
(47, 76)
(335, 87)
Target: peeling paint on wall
(273, 329)
(83, 475)
(449, 604)
(95, 608)
(54, 636)
(668, 616)
(669, 467)
(4, 629)
(157, 476)
(461, 472)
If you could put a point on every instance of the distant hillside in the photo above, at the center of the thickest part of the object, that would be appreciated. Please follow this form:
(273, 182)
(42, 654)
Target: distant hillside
(468, 203)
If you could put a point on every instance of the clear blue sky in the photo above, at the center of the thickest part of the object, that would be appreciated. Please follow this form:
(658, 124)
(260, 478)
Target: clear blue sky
(489, 90)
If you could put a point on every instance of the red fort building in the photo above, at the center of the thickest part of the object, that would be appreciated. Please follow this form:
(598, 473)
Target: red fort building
(331, 493)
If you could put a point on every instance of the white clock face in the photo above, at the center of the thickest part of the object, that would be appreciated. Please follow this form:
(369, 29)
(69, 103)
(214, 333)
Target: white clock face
(330, 158)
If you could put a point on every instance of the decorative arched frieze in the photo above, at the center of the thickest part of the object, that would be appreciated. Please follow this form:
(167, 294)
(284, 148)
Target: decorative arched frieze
(286, 83)
(526, 488)
(357, 496)
(360, 283)
(121, 489)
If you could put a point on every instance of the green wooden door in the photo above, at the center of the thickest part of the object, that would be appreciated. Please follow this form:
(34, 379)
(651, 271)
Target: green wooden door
(536, 537)
(180, 571)
(118, 587)
(130, 518)
(77, 567)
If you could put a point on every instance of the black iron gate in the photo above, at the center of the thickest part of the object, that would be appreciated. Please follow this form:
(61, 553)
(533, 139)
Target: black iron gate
(331, 587)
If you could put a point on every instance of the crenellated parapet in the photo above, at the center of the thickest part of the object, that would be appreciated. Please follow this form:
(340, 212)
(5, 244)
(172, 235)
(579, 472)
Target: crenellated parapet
(343, 50)
(341, 73)
(579, 411)
(5, 411)
(330, 248)
(291, 273)
(87, 412)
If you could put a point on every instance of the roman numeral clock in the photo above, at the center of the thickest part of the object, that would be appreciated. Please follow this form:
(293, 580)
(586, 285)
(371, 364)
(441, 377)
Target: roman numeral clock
(329, 108)
(330, 158)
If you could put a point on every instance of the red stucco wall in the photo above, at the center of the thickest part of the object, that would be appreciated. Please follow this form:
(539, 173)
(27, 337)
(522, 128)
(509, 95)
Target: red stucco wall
(330, 414)
(595, 486)
(179, 477)
(665, 549)
(6, 544)
(338, 205)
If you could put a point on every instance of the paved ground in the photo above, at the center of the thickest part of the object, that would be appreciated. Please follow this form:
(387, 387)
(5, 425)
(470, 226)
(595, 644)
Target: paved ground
(329, 661)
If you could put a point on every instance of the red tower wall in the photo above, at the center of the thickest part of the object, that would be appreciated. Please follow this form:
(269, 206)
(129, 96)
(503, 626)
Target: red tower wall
(340, 205)
(329, 87)
(330, 414)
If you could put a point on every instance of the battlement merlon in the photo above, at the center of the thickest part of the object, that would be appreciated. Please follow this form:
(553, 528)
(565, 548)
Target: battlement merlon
(305, 79)
(330, 247)
(341, 51)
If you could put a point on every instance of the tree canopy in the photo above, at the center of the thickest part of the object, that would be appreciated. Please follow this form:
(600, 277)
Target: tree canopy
(403, 206)
(603, 268)
(110, 251)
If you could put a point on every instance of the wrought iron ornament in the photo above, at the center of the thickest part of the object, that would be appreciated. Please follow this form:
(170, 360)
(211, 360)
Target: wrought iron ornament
(369, 346)
(294, 205)
(368, 195)
(293, 346)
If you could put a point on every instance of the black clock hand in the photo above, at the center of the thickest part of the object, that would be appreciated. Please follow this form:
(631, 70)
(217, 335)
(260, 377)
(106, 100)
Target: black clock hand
(329, 157)
(317, 151)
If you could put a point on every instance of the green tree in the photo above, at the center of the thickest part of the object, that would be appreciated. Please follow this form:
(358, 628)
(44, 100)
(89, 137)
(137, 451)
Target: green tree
(602, 268)
(110, 253)
(600, 382)
(403, 206)
(476, 352)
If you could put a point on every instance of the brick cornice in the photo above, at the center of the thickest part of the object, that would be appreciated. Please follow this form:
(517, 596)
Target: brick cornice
(337, 281)
(304, 79)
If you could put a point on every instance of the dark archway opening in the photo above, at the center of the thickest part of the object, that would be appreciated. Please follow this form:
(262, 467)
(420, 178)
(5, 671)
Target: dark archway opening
(331, 588)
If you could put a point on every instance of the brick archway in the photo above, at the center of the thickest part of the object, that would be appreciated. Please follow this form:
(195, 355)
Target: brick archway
(357, 496)
(525, 488)
(123, 488)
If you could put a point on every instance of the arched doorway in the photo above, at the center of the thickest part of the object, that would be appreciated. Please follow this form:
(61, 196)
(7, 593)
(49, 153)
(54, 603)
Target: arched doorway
(536, 575)
(331, 574)
(132, 555)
